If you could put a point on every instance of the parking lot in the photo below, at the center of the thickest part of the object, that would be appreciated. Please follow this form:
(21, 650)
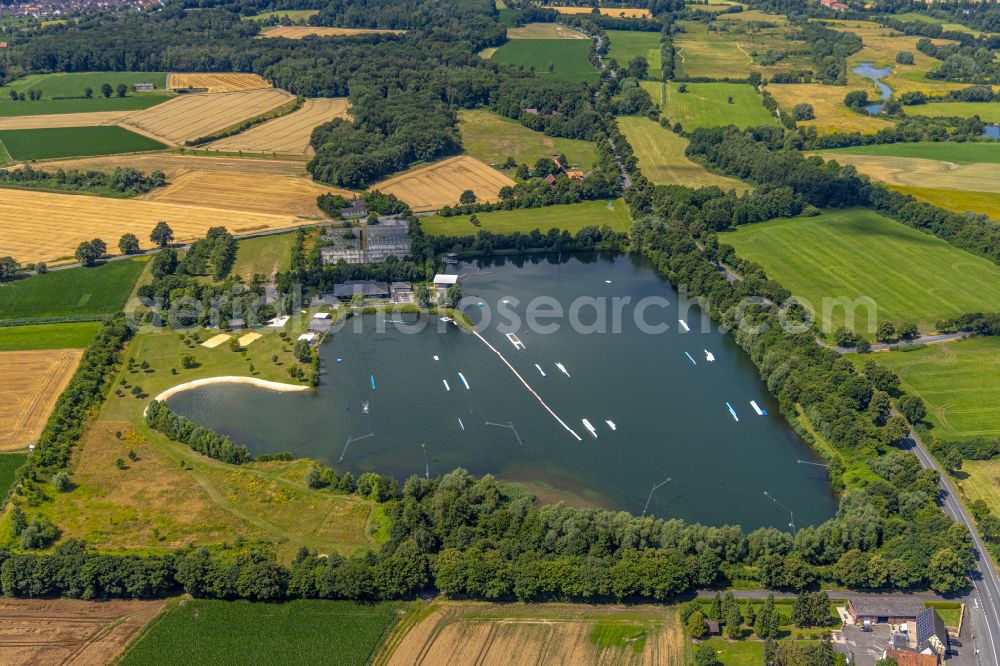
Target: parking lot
(868, 647)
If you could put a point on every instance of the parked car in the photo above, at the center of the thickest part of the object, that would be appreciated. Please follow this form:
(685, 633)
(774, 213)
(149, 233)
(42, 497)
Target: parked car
(866, 629)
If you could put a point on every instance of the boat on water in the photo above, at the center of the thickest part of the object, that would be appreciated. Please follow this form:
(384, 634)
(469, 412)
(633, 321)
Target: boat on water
(709, 356)
(540, 369)
(562, 368)
(611, 424)
(364, 408)
(462, 377)
(591, 428)
(683, 324)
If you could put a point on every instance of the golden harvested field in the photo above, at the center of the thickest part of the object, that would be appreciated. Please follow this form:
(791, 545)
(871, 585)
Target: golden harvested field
(300, 31)
(48, 227)
(217, 83)
(62, 120)
(441, 183)
(468, 634)
(287, 135)
(618, 12)
(174, 165)
(192, 116)
(254, 193)
(828, 105)
(70, 632)
(544, 31)
(32, 382)
(914, 172)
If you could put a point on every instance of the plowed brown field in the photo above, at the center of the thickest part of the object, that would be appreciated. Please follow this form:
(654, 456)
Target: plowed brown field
(442, 183)
(193, 116)
(32, 382)
(255, 193)
(62, 120)
(69, 631)
(298, 32)
(216, 83)
(48, 227)
(287, 135)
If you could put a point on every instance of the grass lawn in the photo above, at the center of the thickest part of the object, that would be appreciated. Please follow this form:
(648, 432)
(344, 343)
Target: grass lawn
(959, 382)
(303, 632)
(737, 653)
(47, 336)
(858, 255)
(45, 107)
(265, 255)
(9, 464)
(627, 44)
(492, 138)
(950, 611)
(567, 56)
(948, 151)
(987, 111)
(569, 217)
(655, 89)
(74, 292)
(662, 160)
(36, 144)
(707, 105)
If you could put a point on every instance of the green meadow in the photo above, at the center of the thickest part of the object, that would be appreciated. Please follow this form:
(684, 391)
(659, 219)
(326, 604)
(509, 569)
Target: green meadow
(75, 335)
(987, 111)
(707, 105)
(199, 631)
(568, 57)
(958, 381)
(9, 464)
(628, 44)
(493, 138)
(52, 142)
(862, 257)
(948, 151)
(73, 84)
(73, 293)
(569, 217)
(265, 255)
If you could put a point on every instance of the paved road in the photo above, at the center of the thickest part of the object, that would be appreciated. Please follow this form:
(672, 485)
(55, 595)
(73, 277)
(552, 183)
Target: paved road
(983, 602)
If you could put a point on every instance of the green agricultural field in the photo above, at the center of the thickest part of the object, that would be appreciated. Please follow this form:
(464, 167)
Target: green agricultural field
(492, 138)
(76, 335)
(948, 151)
(80, 293)
(858, 255)
(568, 57)
(73, 85)
(959, 382)
(987, 111)
(302, 632)
(662, 160)
(655, 89)
(45, 107)
(51, 142)
(570, 217)
(265, 255)
(9, 464)
(627, 44)
(957, 201)
(707, 105)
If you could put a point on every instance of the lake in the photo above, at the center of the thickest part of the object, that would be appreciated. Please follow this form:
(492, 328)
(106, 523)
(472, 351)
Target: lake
(670, 407)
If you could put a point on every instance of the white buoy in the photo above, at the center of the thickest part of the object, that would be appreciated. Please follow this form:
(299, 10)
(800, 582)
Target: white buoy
(611, 424)
(562, 368)
(709, 356)
(540, 369)
(446, 387)
(683, 324)
(588, 426)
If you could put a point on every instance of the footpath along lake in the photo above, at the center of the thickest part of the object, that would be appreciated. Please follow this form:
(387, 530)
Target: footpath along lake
(667, 402)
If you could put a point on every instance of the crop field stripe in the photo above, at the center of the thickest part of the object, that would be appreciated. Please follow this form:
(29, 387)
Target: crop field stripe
(441, 183)
(949, 151)
(843, 253)
(47, 336)
(44, 143)
(568, 217)
(288, 134)
(62, 120)
(33, 381)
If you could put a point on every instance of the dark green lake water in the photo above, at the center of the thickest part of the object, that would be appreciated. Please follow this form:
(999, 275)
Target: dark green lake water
(671, 413)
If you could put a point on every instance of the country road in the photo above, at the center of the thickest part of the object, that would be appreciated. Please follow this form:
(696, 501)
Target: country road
(983, 602)
(883, 346)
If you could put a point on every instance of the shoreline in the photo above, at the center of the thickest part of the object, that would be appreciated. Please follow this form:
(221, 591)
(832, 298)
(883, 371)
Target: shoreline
(279, 387)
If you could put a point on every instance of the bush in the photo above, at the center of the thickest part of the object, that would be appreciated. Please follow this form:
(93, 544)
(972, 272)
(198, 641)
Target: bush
(61, 482)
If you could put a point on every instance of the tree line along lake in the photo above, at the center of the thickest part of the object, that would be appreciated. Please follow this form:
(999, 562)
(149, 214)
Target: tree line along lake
(403, 399)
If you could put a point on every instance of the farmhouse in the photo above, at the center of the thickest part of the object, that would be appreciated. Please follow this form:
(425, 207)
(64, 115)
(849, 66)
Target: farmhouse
(357, 208)
(880, 610)
(143, 86)
(910, 658)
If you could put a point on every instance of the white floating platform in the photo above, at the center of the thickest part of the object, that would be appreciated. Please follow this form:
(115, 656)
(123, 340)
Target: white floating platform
(516, 341)
(588, 426)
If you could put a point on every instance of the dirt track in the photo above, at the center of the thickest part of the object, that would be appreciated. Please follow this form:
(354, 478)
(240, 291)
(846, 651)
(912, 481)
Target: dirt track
(70, 632)
(33, 381)
(287, 135)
